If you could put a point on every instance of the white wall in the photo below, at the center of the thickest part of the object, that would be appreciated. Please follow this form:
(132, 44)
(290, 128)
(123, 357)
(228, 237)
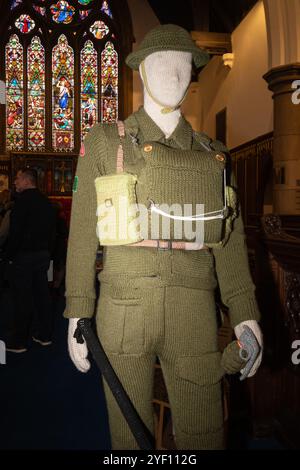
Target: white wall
(282, 18)
(242, 89)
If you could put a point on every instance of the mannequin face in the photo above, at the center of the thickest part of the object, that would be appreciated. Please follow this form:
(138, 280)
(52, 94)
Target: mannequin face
(168, 74)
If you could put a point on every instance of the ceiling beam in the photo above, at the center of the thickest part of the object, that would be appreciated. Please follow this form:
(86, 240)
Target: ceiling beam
(213, 43)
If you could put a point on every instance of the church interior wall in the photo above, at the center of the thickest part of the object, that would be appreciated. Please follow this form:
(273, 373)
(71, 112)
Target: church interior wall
(242, 90)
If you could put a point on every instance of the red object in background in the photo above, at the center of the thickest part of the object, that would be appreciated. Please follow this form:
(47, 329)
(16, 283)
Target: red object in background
(66, 203)
(82, 151)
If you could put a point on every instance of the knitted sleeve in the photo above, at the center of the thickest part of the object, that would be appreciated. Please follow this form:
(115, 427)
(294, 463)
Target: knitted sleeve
(233, 273)
(83, 241)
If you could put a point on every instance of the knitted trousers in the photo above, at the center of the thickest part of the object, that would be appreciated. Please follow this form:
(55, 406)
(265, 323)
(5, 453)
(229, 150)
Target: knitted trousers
(145, 320)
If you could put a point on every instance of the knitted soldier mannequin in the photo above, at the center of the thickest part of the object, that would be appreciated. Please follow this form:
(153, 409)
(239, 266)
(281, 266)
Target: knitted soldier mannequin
(158, 299)
(166, 76)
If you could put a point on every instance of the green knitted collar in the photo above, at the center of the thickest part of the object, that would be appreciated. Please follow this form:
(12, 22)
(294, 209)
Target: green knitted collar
(149, 131)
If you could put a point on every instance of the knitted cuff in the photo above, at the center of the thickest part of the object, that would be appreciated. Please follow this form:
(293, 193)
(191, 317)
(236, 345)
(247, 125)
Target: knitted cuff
(231, 361)
(79, 307)
(243, 308)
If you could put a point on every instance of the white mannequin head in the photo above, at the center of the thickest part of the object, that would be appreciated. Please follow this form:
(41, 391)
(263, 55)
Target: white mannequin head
(167, 75)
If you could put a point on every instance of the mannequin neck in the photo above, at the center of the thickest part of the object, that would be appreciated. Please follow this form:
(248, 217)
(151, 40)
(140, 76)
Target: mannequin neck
(166, 122)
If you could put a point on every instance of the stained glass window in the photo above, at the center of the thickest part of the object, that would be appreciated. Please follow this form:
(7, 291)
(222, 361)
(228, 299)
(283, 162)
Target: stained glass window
(84, 2)
(99, 29)
(40, 10)
(84, 14)
(63, 92)
(14, 94)
(89, 87)
(62, 12)
(25, 24)
(105, 8)
(15, 3)
(36, 94)
(40, 113)
(109, 83)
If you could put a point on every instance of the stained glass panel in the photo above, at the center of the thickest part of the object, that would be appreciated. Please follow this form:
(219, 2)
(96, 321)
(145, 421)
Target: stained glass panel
(40, 10)
(109, 83)
(25, 24)
(84, 14)
(63, 93)
(99, 29)
(14, 94)
(62, 12)
(15, 3)
(26, 93)
(105, 8)
(36, 94)
(89, 88)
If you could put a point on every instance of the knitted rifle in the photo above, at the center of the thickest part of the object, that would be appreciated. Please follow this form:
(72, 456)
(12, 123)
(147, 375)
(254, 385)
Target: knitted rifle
(140, 432)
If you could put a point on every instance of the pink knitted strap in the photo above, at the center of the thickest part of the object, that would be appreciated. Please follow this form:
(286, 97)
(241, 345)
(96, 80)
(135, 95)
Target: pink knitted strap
(120, 153)
(121, 128)
(165, 244)
(82, 150)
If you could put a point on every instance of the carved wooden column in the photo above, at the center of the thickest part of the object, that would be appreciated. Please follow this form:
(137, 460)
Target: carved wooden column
(286, 146)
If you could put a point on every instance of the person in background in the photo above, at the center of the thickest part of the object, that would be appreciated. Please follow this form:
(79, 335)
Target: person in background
(59, 252)
(5, 209)
(27, 255)
(6, 204)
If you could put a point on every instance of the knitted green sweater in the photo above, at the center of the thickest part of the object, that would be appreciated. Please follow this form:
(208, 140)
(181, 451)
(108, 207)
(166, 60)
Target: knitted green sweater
(227, 266)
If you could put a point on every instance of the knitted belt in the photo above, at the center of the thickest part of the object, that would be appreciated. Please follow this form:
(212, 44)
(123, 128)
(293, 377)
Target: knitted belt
(168, 245)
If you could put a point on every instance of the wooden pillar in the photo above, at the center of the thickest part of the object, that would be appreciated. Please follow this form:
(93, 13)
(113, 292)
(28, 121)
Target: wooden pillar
(286, 146)
(2, 116)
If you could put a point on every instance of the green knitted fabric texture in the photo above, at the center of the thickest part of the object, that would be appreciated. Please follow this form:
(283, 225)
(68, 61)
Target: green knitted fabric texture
(228, 266)
(167, 37)
(231, 361)
(138, 324)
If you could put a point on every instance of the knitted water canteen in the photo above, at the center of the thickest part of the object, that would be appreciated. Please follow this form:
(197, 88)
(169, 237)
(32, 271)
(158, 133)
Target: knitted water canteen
(168, 37)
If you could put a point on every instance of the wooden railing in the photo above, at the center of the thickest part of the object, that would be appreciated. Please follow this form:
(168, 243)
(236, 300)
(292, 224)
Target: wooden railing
(252, 164)
(274, 254)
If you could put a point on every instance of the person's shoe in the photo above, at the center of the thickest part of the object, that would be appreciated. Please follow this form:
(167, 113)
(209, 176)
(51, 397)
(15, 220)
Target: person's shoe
(43, 343)
(16, 349)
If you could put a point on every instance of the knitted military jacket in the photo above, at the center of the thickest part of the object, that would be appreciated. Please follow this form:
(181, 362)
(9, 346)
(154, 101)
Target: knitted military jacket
(226, 266)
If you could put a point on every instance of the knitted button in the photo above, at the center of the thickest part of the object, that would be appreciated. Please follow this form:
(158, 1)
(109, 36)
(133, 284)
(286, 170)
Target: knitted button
(220, 157)
(147, 148)
(108, 202)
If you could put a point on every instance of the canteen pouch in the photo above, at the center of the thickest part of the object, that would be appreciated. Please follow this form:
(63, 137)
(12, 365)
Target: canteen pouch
(117, 209)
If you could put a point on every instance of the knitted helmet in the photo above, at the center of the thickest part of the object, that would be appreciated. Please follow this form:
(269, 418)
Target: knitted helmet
(167, 37)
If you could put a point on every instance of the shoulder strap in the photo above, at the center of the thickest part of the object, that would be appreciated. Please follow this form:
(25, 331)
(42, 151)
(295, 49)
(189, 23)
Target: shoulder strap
(120, 152)
(114, 134)
(202, 139)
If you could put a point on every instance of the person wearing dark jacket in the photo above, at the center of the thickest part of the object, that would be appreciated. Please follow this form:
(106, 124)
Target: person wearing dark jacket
(27, 254)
